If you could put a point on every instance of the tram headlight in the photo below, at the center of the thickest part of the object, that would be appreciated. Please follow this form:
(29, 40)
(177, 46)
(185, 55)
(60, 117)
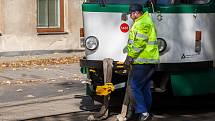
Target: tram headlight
(161, 44)
(91, 43)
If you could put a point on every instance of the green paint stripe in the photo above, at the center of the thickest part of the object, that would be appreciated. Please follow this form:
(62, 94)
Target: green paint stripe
(207, 8)
(193, 82)
(122, 8)
(107, 8)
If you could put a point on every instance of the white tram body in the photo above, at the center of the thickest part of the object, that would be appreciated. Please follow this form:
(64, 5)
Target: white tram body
(185, 32)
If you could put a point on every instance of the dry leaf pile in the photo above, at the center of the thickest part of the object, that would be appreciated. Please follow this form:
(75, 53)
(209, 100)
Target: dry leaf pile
(37, 62)
(40, 62)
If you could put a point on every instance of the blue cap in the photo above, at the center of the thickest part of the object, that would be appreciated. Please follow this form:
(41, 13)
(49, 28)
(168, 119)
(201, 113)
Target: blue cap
(135, 7)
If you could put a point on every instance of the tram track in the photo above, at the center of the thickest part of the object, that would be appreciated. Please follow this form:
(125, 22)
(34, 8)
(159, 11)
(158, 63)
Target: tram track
(169, 109)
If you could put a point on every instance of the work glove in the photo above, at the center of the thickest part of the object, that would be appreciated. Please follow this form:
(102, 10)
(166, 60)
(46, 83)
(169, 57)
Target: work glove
(128, 61)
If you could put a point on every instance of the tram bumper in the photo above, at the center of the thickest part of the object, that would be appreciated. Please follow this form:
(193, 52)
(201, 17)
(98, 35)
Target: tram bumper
(94, 70)
(90, 63)
(84, 63)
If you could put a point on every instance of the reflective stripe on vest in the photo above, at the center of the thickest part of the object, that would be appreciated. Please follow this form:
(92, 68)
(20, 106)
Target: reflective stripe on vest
(149, 43)
(152, 43)
(142, 60)
(136, 49)
(141, 36)
(131, 41)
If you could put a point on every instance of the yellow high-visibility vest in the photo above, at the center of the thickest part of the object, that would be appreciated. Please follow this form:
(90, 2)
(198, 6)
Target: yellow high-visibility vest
(142, 43)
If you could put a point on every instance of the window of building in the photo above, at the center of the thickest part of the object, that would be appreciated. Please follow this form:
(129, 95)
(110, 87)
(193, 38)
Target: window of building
(50, 16)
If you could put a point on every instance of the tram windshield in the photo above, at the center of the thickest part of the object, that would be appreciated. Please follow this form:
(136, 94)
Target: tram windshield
(159, 2)
(118, 1)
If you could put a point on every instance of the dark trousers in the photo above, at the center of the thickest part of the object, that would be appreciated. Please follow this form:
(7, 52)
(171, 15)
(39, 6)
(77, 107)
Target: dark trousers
(140, 77)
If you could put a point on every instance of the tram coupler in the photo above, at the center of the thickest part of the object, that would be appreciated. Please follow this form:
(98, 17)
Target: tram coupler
(104, 90)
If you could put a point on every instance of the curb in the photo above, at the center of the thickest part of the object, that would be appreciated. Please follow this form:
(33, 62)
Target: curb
(39, 52)
(4, 59)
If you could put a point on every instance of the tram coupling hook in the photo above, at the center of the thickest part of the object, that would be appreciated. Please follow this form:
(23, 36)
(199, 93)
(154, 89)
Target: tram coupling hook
(105, 89)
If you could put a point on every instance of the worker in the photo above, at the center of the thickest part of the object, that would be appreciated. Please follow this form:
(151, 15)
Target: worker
(143, 55)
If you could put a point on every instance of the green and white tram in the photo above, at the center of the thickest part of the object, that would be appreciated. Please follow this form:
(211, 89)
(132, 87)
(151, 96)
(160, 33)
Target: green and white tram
(186, 36)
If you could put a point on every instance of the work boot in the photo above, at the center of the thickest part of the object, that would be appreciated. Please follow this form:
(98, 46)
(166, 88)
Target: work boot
(131, 115)
(145, 117)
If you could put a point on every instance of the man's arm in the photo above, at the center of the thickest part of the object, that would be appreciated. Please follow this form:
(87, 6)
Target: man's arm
(136, 45)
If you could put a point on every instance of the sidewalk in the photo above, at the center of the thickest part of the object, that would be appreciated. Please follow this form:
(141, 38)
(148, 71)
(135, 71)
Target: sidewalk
(40, 85)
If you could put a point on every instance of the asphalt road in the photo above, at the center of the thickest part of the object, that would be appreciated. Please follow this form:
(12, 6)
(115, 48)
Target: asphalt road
(176, 109)
(41, 82)
(40, 91)
(173, 116)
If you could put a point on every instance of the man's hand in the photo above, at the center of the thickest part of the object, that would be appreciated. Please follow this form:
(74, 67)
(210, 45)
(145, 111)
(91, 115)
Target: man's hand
(128, 61)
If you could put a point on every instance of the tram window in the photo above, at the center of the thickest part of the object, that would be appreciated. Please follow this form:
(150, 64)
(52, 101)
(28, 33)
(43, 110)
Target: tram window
(200, 1)
(91, 1)
(164, 2)
(118, 1)
(126, 1)
(191, 1)
(159, 2)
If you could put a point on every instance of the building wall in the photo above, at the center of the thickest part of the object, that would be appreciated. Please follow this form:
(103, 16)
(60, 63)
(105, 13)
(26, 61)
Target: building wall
(1, 16)
(19, 23)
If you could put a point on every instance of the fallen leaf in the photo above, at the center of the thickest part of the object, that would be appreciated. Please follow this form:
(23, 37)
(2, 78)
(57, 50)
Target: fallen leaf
(19, 82)
(8, 82)
(30, 96)
(53, 80)
(60, 91)
(45, 69)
